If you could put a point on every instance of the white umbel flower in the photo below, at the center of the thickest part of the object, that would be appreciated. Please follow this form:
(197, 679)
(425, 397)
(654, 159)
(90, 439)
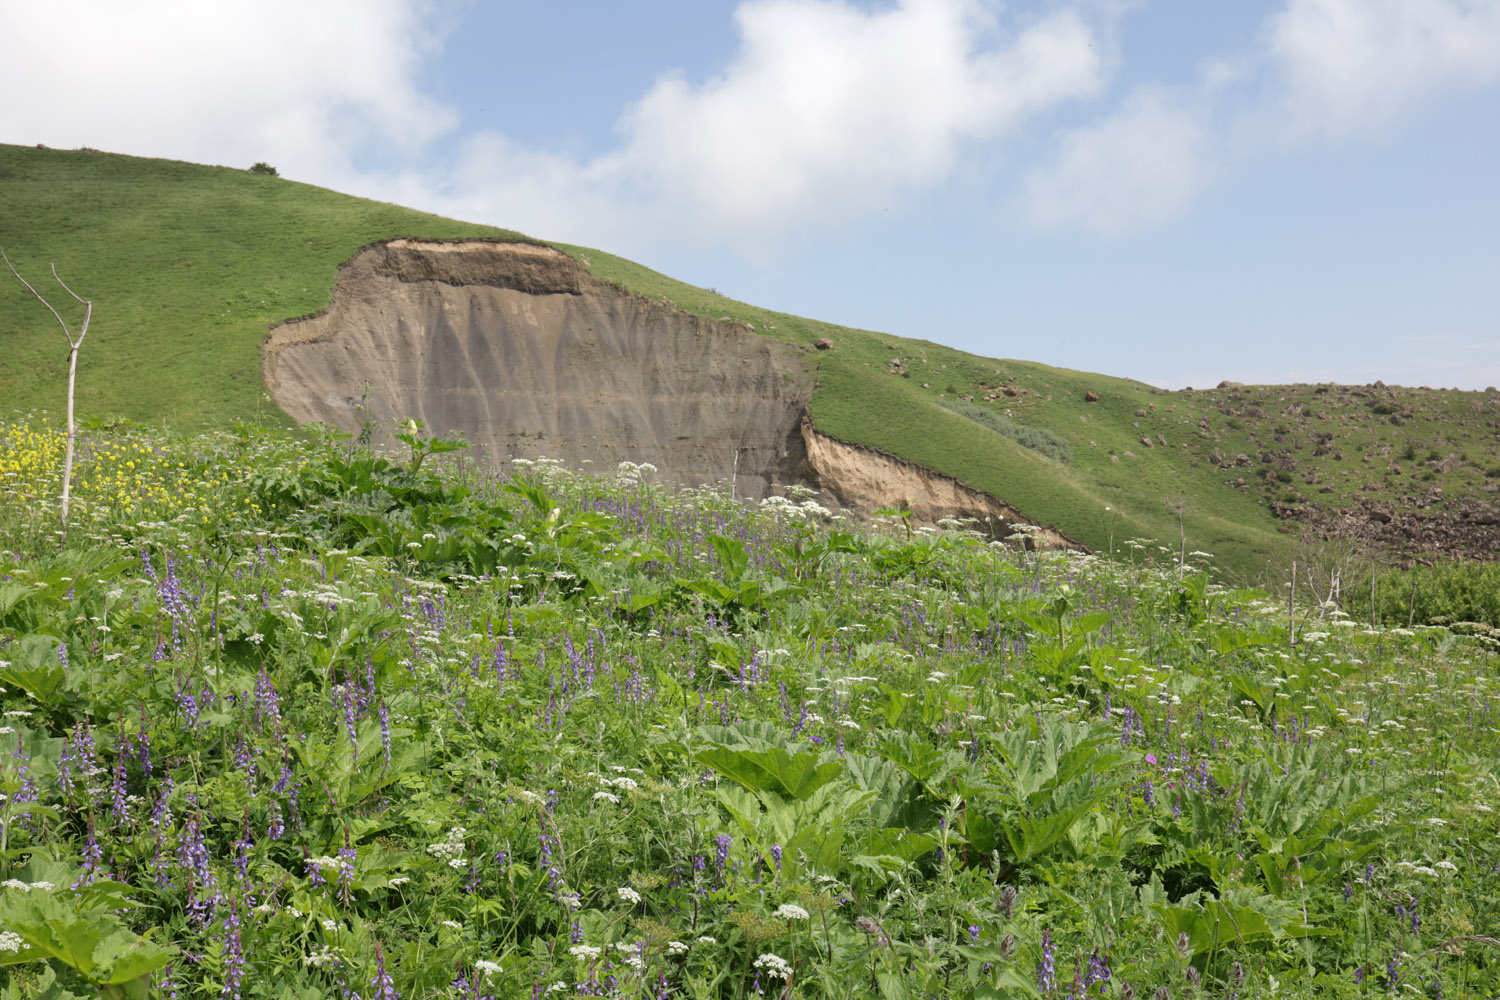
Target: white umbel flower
(774, 965)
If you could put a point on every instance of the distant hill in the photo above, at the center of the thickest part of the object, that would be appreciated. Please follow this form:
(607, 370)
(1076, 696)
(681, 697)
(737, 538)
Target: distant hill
(190, 267)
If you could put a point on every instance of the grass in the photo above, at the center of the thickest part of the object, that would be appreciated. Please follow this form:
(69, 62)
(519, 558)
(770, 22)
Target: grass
(286, 720)
(190, 265)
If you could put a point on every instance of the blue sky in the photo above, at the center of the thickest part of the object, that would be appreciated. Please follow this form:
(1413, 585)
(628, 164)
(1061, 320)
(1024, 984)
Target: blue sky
(1177, 191)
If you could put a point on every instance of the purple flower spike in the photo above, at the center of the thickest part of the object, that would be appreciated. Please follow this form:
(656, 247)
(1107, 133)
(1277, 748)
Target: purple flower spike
(381, 984)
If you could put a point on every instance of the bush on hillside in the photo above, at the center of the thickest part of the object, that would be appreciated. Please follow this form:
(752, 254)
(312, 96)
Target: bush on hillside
(1038, 439)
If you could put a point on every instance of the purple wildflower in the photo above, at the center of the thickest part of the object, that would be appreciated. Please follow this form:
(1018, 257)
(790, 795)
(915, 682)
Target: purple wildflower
(381, 983)
(1046, 969)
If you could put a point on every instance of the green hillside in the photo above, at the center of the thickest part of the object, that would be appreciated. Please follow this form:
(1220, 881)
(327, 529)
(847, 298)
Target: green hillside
(189, 265)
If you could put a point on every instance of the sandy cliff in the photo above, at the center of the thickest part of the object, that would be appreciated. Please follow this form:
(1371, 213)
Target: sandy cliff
(520, 349)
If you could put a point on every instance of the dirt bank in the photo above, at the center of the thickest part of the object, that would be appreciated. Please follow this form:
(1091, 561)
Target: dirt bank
(524, 352)
(864, 479)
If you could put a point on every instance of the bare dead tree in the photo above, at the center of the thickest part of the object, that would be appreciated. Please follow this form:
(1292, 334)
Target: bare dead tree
(73, 344)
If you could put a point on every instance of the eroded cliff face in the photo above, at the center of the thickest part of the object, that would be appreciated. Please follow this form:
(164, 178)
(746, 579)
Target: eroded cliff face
(864, 479)
(520, 349)
(525, 353)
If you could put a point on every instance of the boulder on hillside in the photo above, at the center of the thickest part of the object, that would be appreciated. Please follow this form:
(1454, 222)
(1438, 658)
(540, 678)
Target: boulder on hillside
(824, 344)
(1091, 397)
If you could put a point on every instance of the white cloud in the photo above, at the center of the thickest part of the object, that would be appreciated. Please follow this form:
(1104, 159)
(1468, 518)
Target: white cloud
(1321, 66)
(1350, 64)
(1139, 167)
(305, 86)
(826, 112)
(830, 111)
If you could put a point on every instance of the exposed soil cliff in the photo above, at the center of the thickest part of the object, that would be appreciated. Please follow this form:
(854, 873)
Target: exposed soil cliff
(864, 479)
(524, 352)
(520, 349)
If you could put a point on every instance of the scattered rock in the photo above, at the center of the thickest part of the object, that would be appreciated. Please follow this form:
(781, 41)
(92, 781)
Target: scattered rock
(824, 344)
(1091, 397)
(1226, 384)
(1147, 442)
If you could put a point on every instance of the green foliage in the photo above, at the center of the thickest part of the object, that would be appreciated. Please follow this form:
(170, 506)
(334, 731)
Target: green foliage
(1449, 591)
(1038, 439)
(376, 705)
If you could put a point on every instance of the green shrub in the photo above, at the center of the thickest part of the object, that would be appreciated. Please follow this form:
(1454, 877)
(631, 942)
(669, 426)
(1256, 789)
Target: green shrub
(1451, 591)
(1038, 439)
(262, 167)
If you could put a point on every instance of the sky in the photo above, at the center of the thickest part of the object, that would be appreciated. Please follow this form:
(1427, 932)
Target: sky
(1177, 191)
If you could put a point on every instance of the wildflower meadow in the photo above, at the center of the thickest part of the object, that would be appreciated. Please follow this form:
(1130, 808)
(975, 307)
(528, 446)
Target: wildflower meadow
(283, 718)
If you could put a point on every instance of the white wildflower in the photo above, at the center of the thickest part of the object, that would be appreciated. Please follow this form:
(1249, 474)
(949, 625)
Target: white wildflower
(790, 911)
(11, 941)
(323, 956)
(628, 894)
(487, 968)
(676, 948)
(454, 924)
(398, 880)
(607, 797)
(584, 951)
(774, 965)
(705, 939)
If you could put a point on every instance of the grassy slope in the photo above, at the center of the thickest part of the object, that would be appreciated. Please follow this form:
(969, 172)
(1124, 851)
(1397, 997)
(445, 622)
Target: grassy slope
(189, 265)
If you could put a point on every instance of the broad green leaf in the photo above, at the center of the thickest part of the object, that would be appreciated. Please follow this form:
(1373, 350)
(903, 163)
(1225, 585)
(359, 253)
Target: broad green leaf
(794, 775)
